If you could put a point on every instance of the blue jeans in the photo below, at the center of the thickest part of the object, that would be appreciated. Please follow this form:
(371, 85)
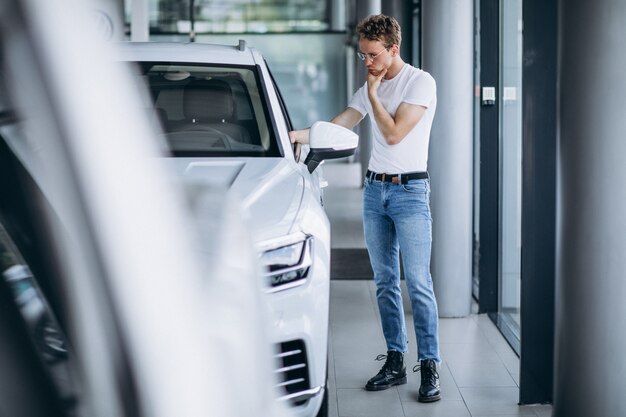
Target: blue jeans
(396, 218)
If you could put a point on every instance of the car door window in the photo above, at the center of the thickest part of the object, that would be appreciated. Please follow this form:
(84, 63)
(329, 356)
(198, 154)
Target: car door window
(40, 346)
(296, 147)
(39, 353)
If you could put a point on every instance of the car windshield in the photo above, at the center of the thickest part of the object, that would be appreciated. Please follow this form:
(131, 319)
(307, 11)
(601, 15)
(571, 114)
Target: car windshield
(210, 110)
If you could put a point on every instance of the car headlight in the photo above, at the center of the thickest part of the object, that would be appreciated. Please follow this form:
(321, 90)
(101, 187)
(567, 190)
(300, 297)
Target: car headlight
(287, 262)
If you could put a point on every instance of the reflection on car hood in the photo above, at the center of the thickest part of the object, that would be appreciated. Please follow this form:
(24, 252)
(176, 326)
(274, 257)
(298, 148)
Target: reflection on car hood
(269, 188)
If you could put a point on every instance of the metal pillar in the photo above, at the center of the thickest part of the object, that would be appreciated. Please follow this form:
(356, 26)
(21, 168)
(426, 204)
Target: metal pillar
(402, 10)
(139, 21)
(338, 15)
(539, 132)
(447, 30)
(590, 365)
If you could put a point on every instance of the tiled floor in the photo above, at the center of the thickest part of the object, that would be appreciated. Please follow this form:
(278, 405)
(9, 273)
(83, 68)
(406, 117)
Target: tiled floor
(479, 372)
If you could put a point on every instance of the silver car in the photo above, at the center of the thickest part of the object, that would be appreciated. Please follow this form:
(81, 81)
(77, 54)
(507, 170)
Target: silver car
(226, 125)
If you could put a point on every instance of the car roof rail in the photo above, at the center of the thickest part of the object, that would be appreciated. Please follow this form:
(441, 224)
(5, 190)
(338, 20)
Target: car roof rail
(242, 45)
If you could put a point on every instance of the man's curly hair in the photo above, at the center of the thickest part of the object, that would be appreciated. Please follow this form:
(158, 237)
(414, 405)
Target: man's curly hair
(381, 28)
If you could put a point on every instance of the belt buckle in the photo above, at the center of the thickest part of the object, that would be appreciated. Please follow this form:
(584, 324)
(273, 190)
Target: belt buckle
(395, 179)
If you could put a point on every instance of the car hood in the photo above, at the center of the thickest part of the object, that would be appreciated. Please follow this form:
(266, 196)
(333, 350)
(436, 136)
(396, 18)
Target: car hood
(270, 189)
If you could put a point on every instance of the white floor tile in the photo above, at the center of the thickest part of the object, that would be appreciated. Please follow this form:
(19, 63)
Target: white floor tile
(494, 401)
(442, 408)
(362, 403)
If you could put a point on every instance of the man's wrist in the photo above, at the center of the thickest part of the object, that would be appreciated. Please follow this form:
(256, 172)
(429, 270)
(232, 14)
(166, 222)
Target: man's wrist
(300, 136)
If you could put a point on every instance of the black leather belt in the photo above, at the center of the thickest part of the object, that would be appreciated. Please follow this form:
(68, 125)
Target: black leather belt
(404, 178)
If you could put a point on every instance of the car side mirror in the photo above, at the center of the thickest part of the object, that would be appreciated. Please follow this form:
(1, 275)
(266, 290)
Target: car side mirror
(329, 141)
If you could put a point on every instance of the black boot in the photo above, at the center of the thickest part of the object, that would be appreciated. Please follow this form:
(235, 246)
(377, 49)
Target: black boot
(429, 389)
(392, 373)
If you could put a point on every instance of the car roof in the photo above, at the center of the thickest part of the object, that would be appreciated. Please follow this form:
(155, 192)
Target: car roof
(189, 52)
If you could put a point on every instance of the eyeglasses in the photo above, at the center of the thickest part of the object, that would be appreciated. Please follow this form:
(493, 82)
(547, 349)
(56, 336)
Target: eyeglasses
(371, 57)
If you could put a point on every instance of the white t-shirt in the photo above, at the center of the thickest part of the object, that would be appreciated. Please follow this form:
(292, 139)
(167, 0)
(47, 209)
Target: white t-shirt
(412, 86)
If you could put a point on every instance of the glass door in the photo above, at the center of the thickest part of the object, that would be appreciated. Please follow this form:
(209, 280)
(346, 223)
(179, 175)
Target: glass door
(510, 110)
(476, 176)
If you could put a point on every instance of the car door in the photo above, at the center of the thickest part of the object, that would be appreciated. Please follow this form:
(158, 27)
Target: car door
(316, 178)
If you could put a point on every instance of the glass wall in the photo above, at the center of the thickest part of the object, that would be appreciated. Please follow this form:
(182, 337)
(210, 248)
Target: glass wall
(476, 181)
(510, 110)
(236, 16)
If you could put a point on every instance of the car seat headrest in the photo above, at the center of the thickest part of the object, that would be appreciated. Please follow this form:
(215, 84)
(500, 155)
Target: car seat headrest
(208, 101)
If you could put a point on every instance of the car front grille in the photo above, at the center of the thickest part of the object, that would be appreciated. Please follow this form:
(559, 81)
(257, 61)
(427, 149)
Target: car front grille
(293, 371)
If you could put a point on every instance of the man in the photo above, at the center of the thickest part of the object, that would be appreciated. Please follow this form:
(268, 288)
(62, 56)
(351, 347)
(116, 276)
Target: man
(401, 102)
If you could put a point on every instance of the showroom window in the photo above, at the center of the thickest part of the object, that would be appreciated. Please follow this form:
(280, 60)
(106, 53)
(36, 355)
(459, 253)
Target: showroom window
(236, 16)
(510, 110)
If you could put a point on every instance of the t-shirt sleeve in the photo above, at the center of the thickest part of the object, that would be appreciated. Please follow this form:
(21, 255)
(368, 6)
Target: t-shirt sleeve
(421, 90)
(358, 101)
